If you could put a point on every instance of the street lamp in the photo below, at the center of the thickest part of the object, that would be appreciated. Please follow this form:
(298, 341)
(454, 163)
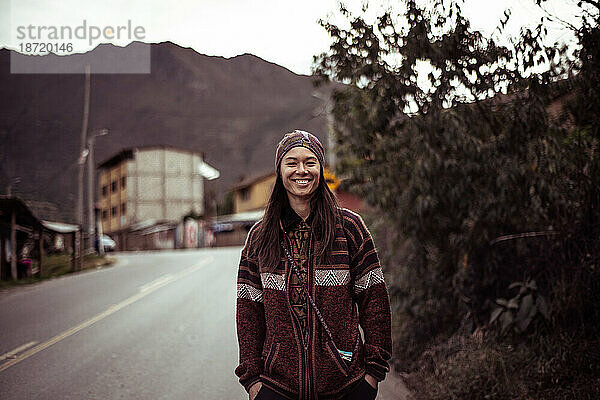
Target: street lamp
(91, 171)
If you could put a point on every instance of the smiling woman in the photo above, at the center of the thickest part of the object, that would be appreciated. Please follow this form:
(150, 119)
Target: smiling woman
(300, 172)
(307, 271)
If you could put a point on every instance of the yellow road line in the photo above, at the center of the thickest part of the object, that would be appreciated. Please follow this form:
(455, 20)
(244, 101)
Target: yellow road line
(111, 310)
(156, 282)
(19, 349)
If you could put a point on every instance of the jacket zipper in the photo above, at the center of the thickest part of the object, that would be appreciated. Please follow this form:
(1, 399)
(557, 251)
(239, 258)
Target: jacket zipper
(304, 353)
(310, 389)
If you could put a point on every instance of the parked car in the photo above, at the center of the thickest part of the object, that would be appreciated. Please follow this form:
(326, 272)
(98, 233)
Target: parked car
(108, 243)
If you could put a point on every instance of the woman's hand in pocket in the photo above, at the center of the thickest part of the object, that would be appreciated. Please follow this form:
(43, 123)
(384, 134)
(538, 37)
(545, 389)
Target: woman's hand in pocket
(371, 381)
(254, 389)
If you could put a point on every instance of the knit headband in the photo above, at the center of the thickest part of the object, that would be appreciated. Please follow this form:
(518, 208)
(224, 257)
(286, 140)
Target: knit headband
(299, 139)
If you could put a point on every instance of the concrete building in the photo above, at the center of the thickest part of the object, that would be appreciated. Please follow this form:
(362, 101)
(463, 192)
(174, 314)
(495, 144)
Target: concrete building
(150, 183)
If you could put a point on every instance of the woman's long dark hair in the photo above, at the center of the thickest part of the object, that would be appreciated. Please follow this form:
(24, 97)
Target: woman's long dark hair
(325, 210)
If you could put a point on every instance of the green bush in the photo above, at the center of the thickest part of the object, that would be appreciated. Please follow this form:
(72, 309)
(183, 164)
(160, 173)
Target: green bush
(474, 183)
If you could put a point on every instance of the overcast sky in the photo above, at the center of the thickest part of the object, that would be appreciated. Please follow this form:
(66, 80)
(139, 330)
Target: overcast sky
(280, 31)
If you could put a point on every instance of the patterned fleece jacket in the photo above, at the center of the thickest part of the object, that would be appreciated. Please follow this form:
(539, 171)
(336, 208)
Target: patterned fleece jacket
(348, 289)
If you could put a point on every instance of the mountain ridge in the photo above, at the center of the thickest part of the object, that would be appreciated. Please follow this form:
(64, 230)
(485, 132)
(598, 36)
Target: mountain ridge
(234, 110)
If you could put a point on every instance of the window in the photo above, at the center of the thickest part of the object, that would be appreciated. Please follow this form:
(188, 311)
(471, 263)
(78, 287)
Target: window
(245, 193)
(104, 191)
(113, 211)
(104, 213)
(123, 182)
(123, 208)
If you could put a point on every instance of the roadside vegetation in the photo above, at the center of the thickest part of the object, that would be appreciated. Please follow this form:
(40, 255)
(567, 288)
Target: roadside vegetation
(484, 190)
(56, 265)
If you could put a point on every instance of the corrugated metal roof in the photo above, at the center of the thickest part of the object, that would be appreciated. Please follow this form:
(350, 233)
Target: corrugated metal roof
(25, 217)
(60, 227)
(247, 216)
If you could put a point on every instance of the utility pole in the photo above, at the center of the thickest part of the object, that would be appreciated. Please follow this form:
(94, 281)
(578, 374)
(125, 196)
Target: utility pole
(13, 245)
(328, 109)
(82, 149)
(330, 134)
(99, 231)
(10, 185)
(91, 173)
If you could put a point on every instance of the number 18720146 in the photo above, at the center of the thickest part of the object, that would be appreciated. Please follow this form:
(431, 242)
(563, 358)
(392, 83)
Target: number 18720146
(43, 48)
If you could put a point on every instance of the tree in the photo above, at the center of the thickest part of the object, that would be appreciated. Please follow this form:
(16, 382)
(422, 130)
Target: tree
(456, 164)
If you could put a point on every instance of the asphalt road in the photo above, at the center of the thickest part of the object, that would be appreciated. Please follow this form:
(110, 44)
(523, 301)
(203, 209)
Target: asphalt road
(157, 325)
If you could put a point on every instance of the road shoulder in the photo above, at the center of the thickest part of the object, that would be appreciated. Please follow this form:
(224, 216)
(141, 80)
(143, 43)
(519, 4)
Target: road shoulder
(393, 388)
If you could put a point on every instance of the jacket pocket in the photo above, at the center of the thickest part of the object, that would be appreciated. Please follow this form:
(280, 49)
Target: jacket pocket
(271, 357)
(339, 361)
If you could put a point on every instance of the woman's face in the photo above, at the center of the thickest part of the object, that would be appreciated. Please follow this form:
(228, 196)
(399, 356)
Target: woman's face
(300, 171)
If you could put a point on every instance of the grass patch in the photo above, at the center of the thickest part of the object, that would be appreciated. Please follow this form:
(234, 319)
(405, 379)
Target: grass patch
(60, 264)
(553, 365)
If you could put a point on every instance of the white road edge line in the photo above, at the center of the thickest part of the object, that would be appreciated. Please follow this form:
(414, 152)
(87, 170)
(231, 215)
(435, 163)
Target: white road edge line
(19, 349)
(111, 310)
